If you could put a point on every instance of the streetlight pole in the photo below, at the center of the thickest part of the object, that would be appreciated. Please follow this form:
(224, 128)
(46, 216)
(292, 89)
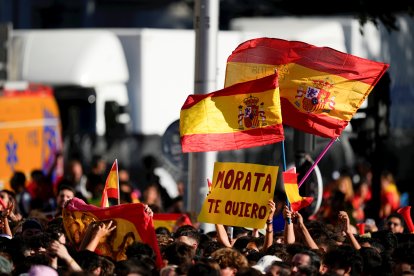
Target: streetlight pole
(206, 29)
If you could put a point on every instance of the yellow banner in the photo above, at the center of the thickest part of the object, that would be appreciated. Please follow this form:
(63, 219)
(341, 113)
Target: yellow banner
(239, 195)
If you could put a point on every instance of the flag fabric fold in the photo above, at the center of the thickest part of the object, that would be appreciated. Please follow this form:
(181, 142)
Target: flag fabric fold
(290, 180)
(240, 116)
(111, 189)
(320, 88)
(131, 221)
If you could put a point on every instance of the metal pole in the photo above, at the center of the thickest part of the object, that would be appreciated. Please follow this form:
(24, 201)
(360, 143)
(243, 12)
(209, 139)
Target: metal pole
(206, 28)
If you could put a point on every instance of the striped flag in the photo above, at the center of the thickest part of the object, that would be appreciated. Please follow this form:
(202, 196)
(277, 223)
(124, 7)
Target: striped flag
(171, 221)
(290, 180)
(320, 88)
(111, 189)
(240, 116)
(131, 221)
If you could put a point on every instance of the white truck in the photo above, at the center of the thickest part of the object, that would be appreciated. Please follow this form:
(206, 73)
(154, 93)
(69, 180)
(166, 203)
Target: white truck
(88, 73)
(117, 90)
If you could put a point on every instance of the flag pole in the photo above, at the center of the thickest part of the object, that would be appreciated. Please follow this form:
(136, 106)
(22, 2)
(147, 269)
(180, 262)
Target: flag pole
(284, 169)
(117, 180)
(317, 161)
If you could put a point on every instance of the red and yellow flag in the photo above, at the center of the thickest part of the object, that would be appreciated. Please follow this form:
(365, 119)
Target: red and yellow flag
(131, 221)
(171, 221)
(240, 116)
(111, 189)
(290, 179)
(320, 88)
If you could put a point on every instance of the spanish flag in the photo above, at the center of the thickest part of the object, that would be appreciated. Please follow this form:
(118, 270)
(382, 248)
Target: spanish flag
(132, 223)
(290, 180)
(171, 221)
(320, 88)
(240, 116)
(111, 189)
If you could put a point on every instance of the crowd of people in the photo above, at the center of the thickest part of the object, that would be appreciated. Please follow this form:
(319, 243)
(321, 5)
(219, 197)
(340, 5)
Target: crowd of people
(33, 240)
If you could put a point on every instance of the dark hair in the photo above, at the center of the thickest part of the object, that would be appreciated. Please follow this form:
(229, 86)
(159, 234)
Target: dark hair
(64, 186)
(132, 266)
(163, 230)
(188, 231)
(372, 261)
(202, 269)
(344, 257)
(18, 180)
(398, 216)
(139, 249)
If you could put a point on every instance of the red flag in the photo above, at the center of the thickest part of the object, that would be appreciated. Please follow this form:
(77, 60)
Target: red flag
(320, 88)
(111, 189)
(131, 221)
(290, 179)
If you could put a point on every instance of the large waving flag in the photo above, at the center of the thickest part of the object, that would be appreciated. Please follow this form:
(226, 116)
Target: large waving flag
(320, 88)
(290, 180)
(131, 221)
(111, 189)
(240, 116)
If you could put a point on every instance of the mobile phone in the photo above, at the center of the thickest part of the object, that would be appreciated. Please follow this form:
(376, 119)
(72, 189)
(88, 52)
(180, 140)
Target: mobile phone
(230, 232)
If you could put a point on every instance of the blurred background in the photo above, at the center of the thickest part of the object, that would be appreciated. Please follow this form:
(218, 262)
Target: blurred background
(121, 70)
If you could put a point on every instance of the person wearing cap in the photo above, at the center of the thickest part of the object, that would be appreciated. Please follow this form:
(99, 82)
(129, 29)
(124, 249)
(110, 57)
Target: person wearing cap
(264, 263)
(30, 228)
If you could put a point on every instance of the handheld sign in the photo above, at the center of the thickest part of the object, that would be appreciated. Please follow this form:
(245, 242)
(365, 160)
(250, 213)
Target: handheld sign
(239, 195)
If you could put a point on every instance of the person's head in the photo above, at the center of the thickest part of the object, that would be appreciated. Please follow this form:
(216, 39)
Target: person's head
(151, 195)
(403, 257)
(208, 247)
(179, 254)
(98, 165)
(8, 197)
(229, 260)
(372, 261)
(344, 183)
(203, 269)
(306, 258)
(74, 170)
(395, 223)
(65, 193)
(56, 231)
(387, 178)
(279, 268)
(31, 228)
(139, 249)
(265, 262)
(18, 181)
(187, 234)
(132, 267)
(343, 260)
(93, 263)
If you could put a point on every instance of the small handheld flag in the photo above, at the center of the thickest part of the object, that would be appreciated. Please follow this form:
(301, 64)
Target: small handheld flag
(111, 189)
(292, 191)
